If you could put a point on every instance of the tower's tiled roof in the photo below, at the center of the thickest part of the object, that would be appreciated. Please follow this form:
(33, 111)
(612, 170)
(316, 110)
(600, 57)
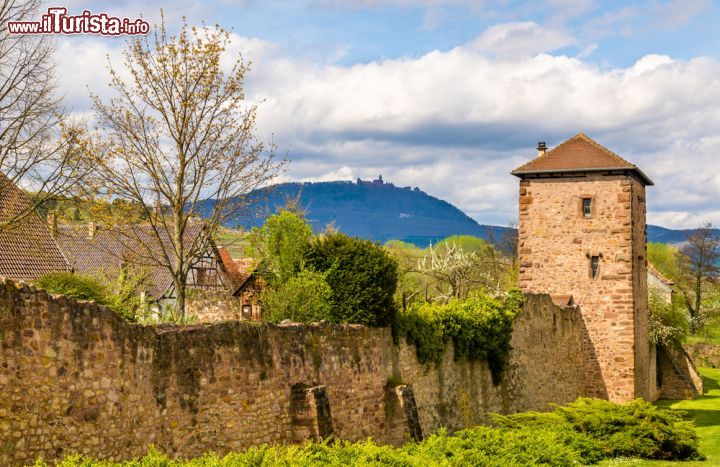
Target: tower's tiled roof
(579, 153)
(27, 247)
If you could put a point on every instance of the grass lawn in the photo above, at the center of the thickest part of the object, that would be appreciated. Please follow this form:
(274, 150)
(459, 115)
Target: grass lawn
(710, 334)
(705, 410)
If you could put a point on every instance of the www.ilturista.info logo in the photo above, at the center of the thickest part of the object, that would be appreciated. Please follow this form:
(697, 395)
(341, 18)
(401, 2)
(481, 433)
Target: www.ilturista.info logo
(57, 21)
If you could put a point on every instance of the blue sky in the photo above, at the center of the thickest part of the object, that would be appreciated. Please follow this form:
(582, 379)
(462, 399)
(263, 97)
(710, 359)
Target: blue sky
(617, 33)
(451, 95)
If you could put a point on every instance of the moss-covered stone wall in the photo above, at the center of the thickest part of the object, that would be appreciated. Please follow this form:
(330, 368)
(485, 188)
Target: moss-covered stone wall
(75, 377)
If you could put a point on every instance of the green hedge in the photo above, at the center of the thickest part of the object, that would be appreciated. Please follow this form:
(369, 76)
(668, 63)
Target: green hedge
(603, 429)
(85, 288)
(480, 328)
(74, 285)
(362, 276)
(585, 432)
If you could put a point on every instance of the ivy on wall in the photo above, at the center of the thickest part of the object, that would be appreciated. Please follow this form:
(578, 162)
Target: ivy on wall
(480, 327)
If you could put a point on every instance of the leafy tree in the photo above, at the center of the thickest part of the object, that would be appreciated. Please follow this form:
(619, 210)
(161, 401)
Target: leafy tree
(280, 245)
(304, 297)
(700, 268)
(666, 259)
(125, 287)
(362, 276)
(412, 284)
(178, 140)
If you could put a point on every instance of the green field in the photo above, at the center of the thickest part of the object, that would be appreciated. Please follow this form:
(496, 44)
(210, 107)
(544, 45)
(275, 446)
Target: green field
(710, 334)
(233, 240)
(705, 410)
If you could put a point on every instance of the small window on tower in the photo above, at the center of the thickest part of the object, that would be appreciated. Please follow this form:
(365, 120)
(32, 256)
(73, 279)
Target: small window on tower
(587, 207)
(594, 266)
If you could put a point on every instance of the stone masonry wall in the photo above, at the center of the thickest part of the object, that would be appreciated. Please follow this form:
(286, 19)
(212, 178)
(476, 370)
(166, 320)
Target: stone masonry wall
(556, 243)
(645, 381)
(704, 354)
(77, 378)
(213, 306)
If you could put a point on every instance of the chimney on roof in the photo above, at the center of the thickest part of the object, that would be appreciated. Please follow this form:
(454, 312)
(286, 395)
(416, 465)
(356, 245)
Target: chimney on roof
(91, 230)
(541, 148)
(52, 223)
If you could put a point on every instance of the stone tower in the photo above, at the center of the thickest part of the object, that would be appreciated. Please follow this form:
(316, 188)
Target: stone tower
(582, 239)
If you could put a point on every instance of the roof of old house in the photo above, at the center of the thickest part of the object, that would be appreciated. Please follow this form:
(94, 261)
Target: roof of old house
(27, 247)
(579, 154)
(105, 251)
(237, 271)
(660, 276)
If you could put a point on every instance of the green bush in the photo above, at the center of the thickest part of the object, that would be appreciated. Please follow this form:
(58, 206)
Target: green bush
(304, 298)
(480, 328)
(584, 432)
(74, 285)
(638, 429)
(87, 288)
(362, 276)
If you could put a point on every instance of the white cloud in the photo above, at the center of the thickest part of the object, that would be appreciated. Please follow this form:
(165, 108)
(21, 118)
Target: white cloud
(456, 122)
(521, 40)
(676, 13)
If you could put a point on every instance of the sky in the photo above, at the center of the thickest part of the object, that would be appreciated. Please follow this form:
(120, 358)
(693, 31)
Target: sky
(451, 95)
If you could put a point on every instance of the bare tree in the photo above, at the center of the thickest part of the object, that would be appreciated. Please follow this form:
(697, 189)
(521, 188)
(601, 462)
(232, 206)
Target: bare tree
(38, 152)
(179, 141)
(699, 260)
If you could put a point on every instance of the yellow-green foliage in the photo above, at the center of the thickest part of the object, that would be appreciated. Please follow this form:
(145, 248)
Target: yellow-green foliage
(303, 298)
(604, 429)
(89, 288)
(480, 328)
(665, 258)
(581, 433)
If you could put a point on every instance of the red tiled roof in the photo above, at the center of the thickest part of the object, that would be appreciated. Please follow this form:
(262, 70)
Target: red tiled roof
(579, 153)
(107, 250)
(245, 269)
(237, 271)
(27, 247)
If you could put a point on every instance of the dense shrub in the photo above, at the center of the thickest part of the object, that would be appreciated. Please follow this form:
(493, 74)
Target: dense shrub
(88, 288)
(637, 429)
(303, 298)
(362, 276)
(74, 285)
(480, 328)
(585, 432)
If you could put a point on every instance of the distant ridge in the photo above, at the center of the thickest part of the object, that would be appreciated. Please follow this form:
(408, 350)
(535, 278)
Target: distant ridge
(381, 211)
